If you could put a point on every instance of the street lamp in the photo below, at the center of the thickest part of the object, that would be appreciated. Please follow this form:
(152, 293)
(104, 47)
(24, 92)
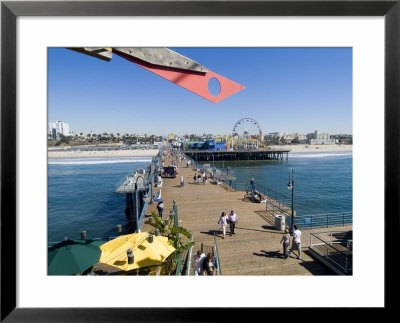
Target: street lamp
(291, 187)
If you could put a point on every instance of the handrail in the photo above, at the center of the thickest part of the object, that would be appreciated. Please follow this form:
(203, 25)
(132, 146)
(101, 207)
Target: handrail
(216, 250)
(324, 219)
(324, 242)
(330, 213)
(344, 255)
(188, 260)
(264, 189)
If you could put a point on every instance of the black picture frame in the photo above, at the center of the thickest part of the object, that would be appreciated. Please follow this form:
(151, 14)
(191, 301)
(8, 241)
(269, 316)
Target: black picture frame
(11, 10)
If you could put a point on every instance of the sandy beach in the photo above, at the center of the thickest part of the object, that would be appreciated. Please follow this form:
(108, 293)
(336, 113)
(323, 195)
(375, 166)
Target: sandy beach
(103, 153)
(314, 148)
(153, 152)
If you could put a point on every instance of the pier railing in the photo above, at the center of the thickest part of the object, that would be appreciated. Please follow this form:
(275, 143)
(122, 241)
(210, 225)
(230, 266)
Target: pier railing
(187, 262)
(276, 203)
(322, 220)
(276, 196)
(217, 256)
(335, 249)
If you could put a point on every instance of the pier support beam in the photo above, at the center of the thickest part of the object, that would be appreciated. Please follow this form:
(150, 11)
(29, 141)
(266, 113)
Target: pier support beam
(204, 155)
(129, 204)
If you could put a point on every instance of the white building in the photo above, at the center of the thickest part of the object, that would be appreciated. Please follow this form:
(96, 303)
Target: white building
(274, 135)
(54, 129)
(320, 138)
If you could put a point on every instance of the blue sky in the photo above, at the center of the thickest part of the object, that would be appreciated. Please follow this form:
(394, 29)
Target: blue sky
(287, 90)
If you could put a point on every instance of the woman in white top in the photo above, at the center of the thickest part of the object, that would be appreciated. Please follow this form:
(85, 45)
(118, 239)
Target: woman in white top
(223, 219)
(286, 241)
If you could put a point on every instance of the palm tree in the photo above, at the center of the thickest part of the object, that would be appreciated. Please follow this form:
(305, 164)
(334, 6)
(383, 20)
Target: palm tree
(173, 234)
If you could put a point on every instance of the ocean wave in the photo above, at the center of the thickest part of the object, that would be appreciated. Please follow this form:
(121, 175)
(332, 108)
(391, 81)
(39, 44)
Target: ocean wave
(319, 155)
(94, 161)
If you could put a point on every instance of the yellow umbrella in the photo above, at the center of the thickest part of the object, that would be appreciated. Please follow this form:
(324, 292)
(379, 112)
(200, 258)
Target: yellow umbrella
(145, 253)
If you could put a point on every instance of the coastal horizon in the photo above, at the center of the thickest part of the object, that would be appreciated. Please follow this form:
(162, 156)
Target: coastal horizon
(153, 152)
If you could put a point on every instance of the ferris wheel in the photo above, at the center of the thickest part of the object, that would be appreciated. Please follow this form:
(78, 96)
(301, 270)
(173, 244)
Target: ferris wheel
(247, 131)
(246, 128)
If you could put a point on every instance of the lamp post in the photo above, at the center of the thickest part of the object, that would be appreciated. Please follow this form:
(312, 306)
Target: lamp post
(291, 187)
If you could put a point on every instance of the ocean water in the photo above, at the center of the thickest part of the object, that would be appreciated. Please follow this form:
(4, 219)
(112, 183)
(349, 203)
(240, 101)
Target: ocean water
(81, 196)
(323, 180)
(81, 192)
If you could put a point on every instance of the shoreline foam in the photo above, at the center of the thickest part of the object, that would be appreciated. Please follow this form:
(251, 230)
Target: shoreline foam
(154, 152)
(102, 153)
(313, 148)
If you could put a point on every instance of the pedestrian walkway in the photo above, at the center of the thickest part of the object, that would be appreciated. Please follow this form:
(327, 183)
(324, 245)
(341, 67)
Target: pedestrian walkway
(255, 249)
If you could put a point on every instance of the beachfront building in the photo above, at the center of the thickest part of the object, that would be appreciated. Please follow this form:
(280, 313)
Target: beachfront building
(288, 137)
(343, 139)
(55, 129)
(274, 135)
(320, 138)
(299, 138)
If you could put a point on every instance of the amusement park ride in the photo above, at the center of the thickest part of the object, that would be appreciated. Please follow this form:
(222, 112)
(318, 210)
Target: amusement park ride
(246, 134)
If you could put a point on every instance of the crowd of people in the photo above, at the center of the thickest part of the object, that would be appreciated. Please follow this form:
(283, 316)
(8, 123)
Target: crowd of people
(200, 178)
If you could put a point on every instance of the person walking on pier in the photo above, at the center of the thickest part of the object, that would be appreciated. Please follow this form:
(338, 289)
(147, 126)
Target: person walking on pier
(210, 265)
(198, 263)
(223, 220)
(286, 241)
(182, 183)
(233, 219)
(296, 243)
(160, 208)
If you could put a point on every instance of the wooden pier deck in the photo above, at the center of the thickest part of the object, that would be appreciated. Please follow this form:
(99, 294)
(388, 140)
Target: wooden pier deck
(255, 249)
(131, 183)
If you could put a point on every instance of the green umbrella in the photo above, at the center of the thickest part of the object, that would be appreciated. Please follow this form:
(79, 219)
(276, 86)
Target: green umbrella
(71, 257)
